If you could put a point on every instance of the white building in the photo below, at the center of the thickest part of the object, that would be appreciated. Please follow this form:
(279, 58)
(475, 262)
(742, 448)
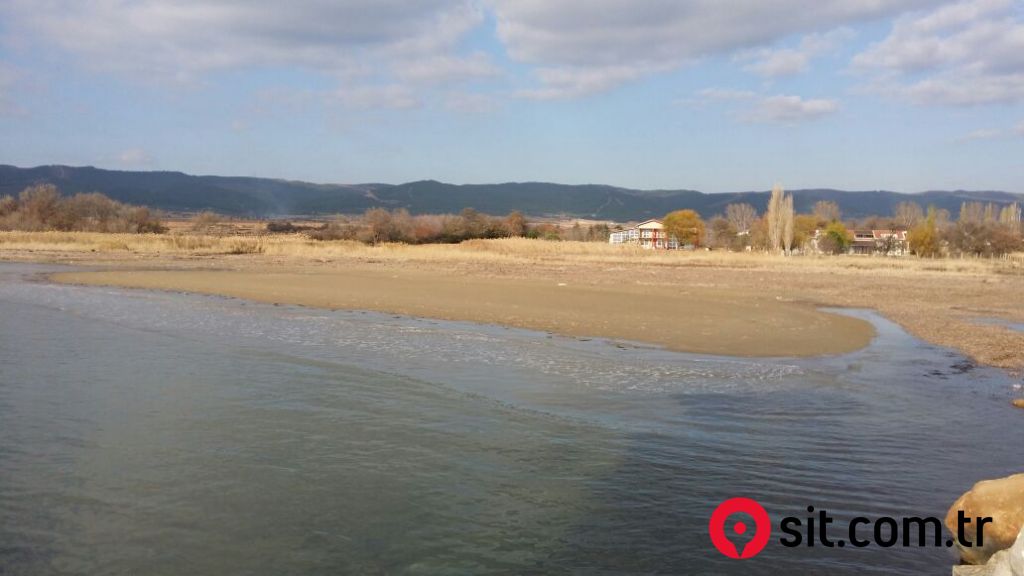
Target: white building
(650, 234)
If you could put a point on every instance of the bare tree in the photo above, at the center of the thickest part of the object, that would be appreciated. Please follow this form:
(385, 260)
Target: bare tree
(39, 205)
(973, 212)
(827, 211)
(720, 233)
(907, 215)
(741, 216)
(1010, 214)
(205, 222)
(515, 224)
(8, 205)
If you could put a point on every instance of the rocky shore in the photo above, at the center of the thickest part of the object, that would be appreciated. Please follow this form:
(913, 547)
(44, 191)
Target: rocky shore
(1001, 551)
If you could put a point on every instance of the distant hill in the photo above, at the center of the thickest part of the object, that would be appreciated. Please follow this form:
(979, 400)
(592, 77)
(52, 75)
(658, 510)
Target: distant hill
(266, 197)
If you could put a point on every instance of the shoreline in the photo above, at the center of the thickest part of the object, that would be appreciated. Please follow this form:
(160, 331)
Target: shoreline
(972, 306)
(696, 321)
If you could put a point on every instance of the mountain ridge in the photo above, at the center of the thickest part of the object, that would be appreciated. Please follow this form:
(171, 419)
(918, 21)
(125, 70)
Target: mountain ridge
(177, 191)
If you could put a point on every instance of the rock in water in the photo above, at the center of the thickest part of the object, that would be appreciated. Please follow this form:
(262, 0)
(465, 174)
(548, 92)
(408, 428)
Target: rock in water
(1019, 402)
(1015, 556)
(1003, 563)
(1003, 501)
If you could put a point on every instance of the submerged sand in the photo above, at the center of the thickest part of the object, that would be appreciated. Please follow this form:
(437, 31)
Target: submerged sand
(700, 319)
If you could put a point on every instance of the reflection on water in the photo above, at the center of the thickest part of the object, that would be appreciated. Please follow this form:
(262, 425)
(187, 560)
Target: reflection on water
(162, 433)
(1018, 326)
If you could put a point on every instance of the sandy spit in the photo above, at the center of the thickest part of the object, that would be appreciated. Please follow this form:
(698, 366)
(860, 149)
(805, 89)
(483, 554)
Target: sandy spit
(707, 320)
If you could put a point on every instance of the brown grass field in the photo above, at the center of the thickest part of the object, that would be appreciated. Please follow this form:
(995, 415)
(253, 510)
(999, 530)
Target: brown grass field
(746, 304)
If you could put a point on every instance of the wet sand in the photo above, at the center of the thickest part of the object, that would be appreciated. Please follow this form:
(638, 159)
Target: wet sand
(701, 319)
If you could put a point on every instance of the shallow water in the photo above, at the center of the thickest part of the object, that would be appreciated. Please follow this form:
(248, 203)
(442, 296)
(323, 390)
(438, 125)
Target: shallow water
(1018, 326)
(159, 433)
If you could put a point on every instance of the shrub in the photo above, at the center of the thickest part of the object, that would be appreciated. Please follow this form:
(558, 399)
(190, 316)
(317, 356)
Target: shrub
(835, 240)
(284, 227)
(205, 222)
(42, 207)
(923, 239)
(246, 246)
(380, 226)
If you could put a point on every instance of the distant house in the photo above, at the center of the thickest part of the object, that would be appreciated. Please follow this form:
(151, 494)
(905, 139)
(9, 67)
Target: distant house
(884, 242)
(649, 234)
(624, 236)
(863, 242)
(891, 242)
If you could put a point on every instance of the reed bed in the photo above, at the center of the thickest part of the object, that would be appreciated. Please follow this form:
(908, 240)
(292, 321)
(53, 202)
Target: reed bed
(506, 250)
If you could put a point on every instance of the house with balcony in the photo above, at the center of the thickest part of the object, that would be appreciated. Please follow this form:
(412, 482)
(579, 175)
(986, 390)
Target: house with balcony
(649, 234)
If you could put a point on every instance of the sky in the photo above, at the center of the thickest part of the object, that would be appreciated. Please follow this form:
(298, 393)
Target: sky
(712, 95)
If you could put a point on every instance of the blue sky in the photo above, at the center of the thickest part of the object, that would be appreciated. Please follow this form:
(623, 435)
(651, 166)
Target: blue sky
(714, 95)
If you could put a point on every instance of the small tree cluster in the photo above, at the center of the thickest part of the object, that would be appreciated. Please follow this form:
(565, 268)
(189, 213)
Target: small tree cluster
(577, 232)
(981, 230)
(41, 207)
(378, 225)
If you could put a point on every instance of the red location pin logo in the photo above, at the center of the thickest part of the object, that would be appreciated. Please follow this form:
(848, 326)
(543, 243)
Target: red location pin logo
(762, 525)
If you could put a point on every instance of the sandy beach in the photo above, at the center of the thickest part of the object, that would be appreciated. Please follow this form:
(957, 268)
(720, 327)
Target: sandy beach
(691, 319)
(705, 302)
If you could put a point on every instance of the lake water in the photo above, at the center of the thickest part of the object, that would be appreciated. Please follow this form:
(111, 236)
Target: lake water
(159, 433)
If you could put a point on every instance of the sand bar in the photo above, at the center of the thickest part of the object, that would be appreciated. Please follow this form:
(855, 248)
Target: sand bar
(708, 320)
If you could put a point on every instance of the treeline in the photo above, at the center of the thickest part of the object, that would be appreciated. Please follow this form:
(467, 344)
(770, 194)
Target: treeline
(378, 225)
(43, 208)
(979, 229)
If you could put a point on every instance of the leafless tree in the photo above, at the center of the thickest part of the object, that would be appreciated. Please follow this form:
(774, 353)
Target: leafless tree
(827, 211)
(741, 216)
(907, 215)
(1010, 214)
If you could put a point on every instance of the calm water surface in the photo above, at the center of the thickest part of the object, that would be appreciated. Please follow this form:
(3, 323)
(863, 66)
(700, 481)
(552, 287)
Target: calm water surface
(158, 433)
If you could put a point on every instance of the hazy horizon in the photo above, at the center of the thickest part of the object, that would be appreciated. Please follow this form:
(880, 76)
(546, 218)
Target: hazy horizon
(764, 190)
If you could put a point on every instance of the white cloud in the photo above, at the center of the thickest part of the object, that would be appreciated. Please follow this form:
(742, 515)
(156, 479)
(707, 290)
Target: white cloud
(471, 102)
(709, 96)
(994, 133)
(774, 63)
(754, 108)
(983, 134)
(389, 96)
(189, 37)
(719, 94)
(445, 69)
(790, 110)
(574, 81)
(967, 53)
(372, 42)
(134, 158)
(574, 47)
(606, 42)
(962, 88)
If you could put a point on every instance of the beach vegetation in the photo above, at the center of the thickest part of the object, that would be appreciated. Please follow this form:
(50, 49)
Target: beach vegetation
(42, 207)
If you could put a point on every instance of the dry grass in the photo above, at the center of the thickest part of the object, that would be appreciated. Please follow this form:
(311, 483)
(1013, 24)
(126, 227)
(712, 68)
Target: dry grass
(509, 250)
